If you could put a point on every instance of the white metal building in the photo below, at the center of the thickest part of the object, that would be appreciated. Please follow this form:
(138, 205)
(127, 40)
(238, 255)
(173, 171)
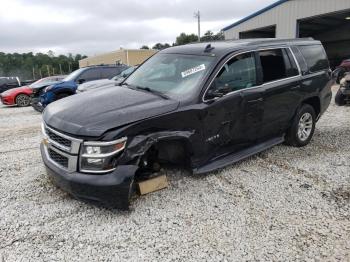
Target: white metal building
(325, 20)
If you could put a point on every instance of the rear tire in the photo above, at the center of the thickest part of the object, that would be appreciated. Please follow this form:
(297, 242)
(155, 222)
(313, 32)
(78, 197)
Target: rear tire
(22, 100)
(340, 98)
(303, 127)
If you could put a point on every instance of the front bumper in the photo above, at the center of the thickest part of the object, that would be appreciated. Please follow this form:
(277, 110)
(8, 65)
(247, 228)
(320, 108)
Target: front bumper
(111, 190)
(7, 100)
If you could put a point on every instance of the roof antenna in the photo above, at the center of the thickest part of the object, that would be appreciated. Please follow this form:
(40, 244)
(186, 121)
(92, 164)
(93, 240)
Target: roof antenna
(208, 48)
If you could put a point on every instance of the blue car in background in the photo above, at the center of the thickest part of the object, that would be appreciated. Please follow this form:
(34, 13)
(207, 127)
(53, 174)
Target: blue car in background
(69, 85)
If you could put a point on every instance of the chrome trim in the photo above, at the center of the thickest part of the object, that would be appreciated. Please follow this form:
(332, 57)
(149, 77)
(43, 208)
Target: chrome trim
(102, 143)
(72, 160)
(43, 130)
(97, 171)
(75, 143)
(306, 76)
(295, 60)
(253, 87)
(102, 155)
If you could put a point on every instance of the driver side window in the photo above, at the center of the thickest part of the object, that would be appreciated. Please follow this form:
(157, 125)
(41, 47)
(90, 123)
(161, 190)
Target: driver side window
(237, 74)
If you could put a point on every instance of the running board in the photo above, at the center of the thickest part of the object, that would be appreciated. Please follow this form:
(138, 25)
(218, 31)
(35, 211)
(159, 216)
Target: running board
(233, 158)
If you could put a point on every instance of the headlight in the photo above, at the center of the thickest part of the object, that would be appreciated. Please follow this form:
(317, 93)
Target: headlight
(48, 88)
(100, 157)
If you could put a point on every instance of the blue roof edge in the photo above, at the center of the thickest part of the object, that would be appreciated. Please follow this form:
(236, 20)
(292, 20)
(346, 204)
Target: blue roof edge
(255, 14)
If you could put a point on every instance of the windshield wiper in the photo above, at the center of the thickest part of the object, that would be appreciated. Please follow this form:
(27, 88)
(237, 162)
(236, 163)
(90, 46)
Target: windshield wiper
(149, 90)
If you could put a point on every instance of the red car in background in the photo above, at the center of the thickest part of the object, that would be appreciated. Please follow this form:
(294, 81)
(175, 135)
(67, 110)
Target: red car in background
(20, 96)
(345, 64)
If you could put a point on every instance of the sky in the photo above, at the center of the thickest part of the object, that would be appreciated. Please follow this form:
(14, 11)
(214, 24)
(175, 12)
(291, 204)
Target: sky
(96, 26)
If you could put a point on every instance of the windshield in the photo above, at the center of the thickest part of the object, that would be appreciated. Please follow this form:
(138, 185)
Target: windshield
(72, 76)
(172, 74)
(124, 73)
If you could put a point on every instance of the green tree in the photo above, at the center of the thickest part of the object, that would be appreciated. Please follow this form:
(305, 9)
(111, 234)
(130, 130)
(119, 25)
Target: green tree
(160, 46)
(50, 53)
(22, 65)
(210, 36)
(183, 39)
(144, 47)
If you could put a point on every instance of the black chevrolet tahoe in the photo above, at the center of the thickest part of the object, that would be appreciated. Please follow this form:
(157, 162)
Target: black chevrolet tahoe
(203, 106)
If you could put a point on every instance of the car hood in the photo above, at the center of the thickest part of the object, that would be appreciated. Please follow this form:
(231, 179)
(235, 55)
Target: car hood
(94, 84)
(45, 84)
(15, 90)
(95, 112)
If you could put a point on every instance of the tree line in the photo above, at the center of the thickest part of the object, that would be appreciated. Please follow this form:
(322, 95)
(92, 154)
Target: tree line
(35, 66)
(183, 39)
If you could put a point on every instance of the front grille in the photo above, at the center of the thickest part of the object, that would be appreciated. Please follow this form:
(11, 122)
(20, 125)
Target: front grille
(57, 158)
(58, 139)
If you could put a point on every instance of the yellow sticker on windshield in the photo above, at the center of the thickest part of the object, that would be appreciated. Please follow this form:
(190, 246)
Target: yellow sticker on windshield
(193, 70)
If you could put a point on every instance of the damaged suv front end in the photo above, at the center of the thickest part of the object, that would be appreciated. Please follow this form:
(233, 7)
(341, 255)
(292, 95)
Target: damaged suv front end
(88, 170)
(95, 145)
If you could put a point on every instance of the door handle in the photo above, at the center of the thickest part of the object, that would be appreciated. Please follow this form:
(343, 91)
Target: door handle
(256, 100)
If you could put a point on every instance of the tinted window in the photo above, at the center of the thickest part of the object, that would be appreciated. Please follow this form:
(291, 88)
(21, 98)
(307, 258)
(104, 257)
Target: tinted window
(109, 72)
(90, 74)
(292, 68)
(9, 81)
(72, 76)
(273, 65)
(315, 57)
(300, 59)
(239, 73)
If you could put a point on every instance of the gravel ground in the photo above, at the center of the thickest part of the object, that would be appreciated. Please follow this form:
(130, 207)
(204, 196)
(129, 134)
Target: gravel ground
(284, 204)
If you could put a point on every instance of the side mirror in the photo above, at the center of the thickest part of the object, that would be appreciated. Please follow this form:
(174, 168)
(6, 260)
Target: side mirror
(218, 91)
(80, 81)
(214, 94)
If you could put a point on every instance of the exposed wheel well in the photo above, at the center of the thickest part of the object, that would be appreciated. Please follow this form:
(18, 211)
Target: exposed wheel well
(315, 103)
(169, 152)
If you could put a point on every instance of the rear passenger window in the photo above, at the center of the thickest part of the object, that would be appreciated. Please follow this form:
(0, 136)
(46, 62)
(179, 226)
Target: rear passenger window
(273, 65)
(315, 57)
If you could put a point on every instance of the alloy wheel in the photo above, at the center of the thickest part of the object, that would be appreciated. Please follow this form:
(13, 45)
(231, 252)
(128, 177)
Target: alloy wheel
(305, 126)
(22, 100)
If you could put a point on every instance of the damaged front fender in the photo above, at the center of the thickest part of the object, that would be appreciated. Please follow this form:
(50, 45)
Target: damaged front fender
(140, 144)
